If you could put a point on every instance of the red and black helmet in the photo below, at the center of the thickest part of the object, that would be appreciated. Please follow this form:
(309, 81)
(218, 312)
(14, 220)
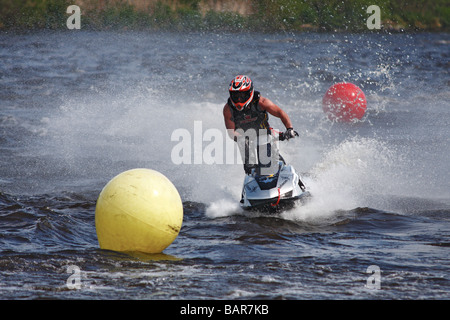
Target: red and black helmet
(241, 91)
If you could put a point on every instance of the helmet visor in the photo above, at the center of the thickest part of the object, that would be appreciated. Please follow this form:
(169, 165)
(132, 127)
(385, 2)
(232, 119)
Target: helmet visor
(240, 96)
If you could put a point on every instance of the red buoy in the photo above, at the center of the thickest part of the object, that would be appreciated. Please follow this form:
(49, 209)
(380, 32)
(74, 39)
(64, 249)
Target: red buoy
(344, 102)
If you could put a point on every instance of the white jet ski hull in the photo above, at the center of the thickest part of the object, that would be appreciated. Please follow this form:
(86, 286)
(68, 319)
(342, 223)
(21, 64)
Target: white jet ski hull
(275, 192)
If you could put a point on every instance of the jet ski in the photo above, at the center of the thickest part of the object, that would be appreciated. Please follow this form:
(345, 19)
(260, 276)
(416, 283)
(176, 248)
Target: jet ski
(275, 192)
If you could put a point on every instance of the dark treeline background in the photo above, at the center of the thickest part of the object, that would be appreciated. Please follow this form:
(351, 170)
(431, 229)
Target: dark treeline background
(230, 15)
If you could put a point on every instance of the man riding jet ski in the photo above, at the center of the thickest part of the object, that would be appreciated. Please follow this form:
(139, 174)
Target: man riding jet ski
(246, 116)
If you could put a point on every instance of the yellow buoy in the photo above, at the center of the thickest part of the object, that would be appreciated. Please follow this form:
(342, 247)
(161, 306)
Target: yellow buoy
(138, 210)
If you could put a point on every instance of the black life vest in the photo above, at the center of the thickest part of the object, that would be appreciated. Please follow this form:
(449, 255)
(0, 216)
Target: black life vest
(252, 117)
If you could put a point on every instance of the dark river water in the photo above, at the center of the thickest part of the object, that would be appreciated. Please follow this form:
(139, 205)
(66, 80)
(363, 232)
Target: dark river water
(79, 107)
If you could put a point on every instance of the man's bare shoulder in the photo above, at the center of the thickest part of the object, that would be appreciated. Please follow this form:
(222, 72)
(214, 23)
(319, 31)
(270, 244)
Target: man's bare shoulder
(227, 109)
(265, 102)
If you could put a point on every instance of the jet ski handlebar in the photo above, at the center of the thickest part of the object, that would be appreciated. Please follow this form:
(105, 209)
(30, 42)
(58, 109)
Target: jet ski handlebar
(288, 134)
